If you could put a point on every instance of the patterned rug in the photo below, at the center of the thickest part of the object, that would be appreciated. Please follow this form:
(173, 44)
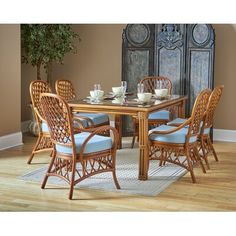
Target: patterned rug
(127, 174)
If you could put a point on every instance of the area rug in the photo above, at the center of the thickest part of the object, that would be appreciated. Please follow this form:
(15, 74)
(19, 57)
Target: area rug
(159, 178)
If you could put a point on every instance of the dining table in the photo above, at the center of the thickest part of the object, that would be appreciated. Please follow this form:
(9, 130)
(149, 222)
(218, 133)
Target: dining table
(139, 110)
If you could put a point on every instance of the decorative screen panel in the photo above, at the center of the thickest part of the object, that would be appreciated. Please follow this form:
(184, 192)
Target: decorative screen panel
(199, 73)
(170, 66)
(138, 67)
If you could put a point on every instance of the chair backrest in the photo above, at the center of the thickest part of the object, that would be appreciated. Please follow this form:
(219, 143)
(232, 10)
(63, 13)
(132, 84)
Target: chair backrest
(65, 89)
(36, 88)
(152, 82)
(211, 107)
(198, 112)
(59, 119)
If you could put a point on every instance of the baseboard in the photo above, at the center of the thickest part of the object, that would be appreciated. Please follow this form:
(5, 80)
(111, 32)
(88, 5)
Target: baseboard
(10, 140)
(25, 126)
(224, 135)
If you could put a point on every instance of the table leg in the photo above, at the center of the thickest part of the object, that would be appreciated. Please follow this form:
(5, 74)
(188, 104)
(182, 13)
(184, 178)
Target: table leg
(118, 126)
(143, 146)
(181, 109)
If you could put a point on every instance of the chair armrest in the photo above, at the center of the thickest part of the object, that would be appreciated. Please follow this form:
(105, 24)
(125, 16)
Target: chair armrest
(98, 130)
(187, 122)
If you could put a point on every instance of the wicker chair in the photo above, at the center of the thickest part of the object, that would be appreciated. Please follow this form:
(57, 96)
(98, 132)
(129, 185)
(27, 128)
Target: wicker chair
(43, 142)
(179, 145)
(65, 89)
(76, 156)
(159, 117)
(205, 142)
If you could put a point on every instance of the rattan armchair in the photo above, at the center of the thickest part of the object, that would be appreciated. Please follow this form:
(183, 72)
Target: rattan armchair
(43, 142)
(205, 143)
(159, 117)
(65, 89)
(77, 156)
(179, 145)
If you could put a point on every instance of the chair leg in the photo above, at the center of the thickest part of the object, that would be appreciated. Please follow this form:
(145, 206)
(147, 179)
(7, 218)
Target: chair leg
(199, 160)
(205, 155)
(49, 170)
(72, 180)
(162, 159)
(115, 179)
(190, 166)
(133, 140)
(35, 148)
(135, 134)
(212, 148)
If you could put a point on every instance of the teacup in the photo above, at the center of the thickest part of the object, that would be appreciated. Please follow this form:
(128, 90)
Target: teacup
(144, 97)
(117, 91)
(98, 94)
(161, 92)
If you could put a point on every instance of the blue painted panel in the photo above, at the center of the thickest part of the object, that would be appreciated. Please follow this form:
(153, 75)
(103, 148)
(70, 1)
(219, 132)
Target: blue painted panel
(170, 66)
(199, 74)
(138, 62)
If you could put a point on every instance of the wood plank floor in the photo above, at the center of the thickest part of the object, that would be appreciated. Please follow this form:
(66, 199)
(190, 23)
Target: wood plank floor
(214, 191)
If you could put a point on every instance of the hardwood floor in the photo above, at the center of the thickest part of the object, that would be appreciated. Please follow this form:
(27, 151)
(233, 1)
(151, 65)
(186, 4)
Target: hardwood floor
(214, 191)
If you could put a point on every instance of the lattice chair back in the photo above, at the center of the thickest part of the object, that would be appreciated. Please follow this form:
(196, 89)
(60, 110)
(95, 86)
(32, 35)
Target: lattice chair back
(152, 82)
(59, 119)
(211, 107)
(64, 88)
(36, 88)
(198, 111)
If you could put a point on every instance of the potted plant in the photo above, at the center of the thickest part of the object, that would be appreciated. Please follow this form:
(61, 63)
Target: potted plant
(43, 44)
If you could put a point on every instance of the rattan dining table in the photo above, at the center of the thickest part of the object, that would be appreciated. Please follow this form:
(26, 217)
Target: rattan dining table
(135, 109)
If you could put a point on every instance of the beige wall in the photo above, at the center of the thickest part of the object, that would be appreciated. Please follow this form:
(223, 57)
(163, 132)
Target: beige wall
(99, 60)
(28, 73)
(225, 73)
(10, 80)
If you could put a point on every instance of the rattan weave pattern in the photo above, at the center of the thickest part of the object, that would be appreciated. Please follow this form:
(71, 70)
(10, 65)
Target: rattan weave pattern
(64, 88)
(212, 104)
(36, 88)
(198, 111)
(151, 83)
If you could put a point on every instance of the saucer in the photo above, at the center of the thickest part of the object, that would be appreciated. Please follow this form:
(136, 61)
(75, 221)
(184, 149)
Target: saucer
(101, 99)
(117, 101)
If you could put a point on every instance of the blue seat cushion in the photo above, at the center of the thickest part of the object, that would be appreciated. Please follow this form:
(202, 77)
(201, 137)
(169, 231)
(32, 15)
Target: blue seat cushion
(97, 118)
(159, 115)
(175, 137)
(45, 127)
(96, 143)
(207, 131)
